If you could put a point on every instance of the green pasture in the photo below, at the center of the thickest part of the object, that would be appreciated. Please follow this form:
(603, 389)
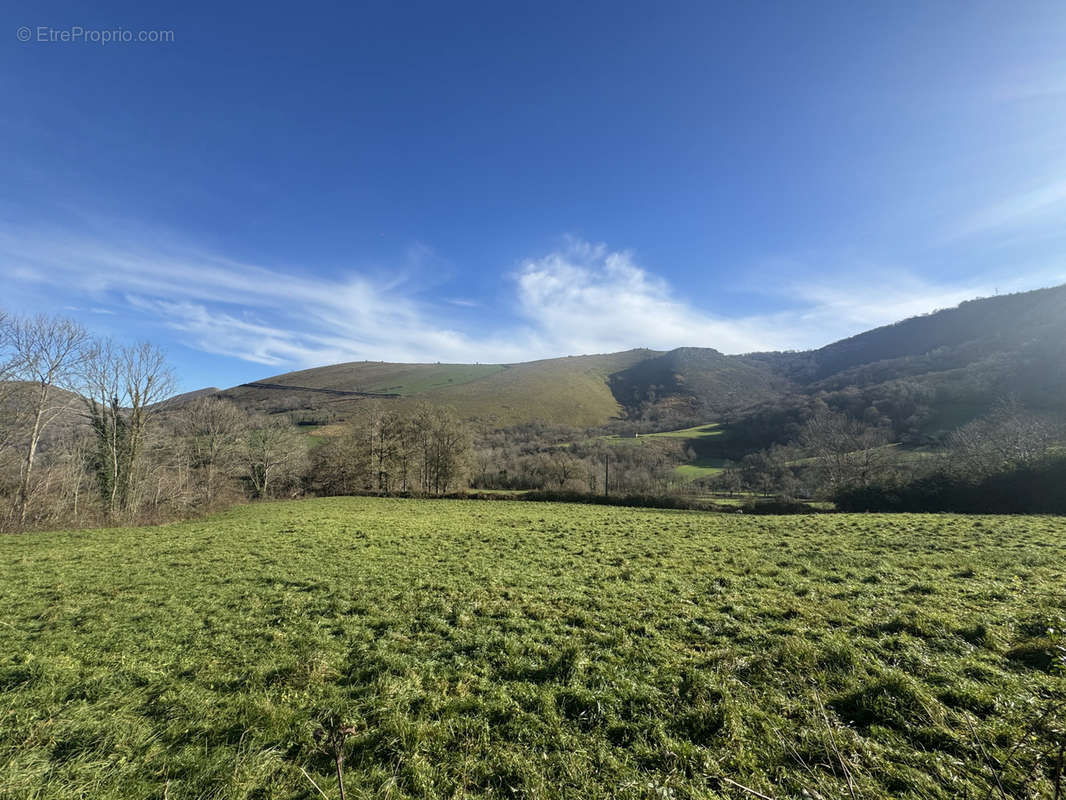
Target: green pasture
(697, 432)
(534, 650)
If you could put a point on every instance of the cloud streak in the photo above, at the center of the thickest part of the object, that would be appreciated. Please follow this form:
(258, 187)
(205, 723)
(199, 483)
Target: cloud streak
(580, 298)
(262, 315)
(1034, 205)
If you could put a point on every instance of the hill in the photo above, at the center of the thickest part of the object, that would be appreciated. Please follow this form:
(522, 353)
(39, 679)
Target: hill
(64, 413)
(947, 339)
(698, 379)
(570, 391)
(931, 372)
(957, 363)
(179, 400)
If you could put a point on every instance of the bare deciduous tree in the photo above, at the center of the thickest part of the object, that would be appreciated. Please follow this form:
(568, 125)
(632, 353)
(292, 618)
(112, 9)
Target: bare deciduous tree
(846, 451)
(273, 454)
(386, 436)
(443, 445)
(211, 430)
(45, 355)
(1009, 437)
(124, 387)
(340, 465)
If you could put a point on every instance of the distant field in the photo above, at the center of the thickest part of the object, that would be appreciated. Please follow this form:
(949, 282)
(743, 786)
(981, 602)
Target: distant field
(703, 468)
(506, 649)
(698, 432)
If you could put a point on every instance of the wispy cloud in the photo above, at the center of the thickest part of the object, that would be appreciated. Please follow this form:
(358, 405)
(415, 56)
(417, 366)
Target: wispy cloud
(872, 298)
(580, 298)
(1033, 205)
(267, 316)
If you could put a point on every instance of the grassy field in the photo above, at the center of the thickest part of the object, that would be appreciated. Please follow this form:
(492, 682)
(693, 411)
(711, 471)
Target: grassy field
(698, 432)
(503, 649)
(693, 470)
(695, 433)
(701, 468)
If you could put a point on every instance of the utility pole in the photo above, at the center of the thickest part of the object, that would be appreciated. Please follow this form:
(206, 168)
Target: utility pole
(606, 474)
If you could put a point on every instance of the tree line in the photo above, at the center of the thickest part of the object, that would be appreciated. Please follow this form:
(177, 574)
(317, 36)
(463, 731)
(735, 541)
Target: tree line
(89, 434)
(996, 462)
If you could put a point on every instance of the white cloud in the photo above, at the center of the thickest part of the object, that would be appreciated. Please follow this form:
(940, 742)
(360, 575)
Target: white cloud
(586, 298)
(582, 298)
(243, 310)
(591, 299)
(875, 299)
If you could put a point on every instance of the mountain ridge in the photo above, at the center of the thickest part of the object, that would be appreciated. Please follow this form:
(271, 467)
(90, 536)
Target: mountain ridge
(974, 352)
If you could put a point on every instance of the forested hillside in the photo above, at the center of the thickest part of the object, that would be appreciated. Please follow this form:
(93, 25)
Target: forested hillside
(925, 374)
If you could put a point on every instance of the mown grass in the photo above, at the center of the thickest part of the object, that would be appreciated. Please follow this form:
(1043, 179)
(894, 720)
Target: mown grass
(492, 649)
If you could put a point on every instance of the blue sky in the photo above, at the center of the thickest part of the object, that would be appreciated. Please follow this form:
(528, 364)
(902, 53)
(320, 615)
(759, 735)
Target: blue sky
(281, 187)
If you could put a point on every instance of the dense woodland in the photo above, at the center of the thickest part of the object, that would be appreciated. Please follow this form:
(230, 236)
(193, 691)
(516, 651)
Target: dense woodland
(91, 433)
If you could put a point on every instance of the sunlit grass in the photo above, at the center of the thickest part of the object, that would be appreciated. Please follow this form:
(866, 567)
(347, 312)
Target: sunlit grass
(505, 649)
(707, 431)
(703, 468)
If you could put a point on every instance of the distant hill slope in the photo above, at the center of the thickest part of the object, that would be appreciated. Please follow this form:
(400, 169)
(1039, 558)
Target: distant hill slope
(179, 400)
(380, 377)
(957, 336)
(979, 350)
(565, 391)
(65, 411)
(955, 363)
(699, 377)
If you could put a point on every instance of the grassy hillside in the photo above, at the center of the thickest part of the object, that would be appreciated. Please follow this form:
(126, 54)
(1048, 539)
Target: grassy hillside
(580, 391)
(498, 649)
(375, 376)
(565, 391)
